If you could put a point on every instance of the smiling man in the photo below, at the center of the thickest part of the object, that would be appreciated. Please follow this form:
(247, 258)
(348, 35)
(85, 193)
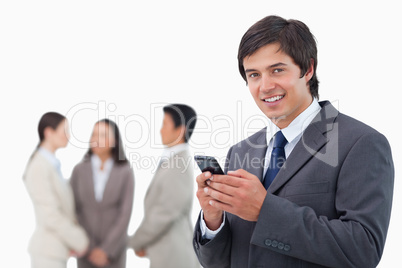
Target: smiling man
(275, 84)
(313, 189)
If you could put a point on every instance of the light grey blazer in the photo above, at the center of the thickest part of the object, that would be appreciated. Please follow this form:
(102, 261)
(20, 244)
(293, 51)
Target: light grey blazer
(57, 231)
(329, 205)
(166, 230)
(106, 222)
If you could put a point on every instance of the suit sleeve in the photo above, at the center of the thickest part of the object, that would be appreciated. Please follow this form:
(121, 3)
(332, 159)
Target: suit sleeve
(216, 252)
(363, 202)
(49, 209)
(176, 190)
(119, 230)
(74, 187)
(213, 253)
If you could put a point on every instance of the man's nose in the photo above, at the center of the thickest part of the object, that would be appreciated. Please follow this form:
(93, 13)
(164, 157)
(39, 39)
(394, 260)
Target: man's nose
(267, 83)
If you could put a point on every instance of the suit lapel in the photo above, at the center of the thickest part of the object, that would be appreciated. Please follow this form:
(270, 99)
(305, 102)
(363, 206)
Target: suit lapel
(155, 177)
(312, 140)
(62, 188)
(257, 154)
(109, 183)
(89, 181)
(63, 191)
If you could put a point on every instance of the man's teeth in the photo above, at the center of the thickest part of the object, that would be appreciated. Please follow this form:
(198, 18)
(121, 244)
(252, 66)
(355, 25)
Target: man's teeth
(276, 98)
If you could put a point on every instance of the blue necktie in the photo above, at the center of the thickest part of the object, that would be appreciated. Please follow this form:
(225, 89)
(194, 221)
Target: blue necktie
(278, 157)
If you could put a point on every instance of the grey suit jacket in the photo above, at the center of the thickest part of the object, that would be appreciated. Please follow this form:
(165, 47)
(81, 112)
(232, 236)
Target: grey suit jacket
(329, 205)
(105, 222)
(166, 229)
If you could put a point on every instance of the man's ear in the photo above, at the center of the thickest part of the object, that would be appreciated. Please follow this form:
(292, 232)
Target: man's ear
(182, 130)
(310, 72)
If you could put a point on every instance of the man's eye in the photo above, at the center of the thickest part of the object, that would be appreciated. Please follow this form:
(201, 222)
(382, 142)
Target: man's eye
(253, 75)
(278, 70)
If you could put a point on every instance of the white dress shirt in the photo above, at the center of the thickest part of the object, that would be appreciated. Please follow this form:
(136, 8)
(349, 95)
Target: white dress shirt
(292, 133)
(100, 176)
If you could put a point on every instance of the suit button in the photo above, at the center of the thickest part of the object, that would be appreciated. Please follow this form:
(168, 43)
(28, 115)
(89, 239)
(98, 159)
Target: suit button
(274, 244)
(268, 242)
(281, 246)
(286, 248)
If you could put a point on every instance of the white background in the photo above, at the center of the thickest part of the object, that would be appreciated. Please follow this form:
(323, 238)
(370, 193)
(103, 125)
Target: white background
(124, 59)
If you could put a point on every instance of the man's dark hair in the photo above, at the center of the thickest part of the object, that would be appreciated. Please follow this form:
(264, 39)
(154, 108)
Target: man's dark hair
(182, 115)
(294, 39)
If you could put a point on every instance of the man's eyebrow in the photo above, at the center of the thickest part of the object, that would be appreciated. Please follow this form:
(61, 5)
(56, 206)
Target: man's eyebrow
(276, 65)
(269, 67)
(250, 70)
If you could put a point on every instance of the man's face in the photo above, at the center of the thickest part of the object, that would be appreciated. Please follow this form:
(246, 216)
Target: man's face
(275, 84)
(171, 135)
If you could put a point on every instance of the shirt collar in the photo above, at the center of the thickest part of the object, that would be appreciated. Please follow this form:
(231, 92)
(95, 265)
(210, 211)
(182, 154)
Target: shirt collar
(49, 156)
(298, 125)
(170, 151)
(97, 162)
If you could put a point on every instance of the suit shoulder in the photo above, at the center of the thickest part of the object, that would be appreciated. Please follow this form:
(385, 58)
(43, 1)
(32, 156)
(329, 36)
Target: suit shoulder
(124, 167)
(354, 128)
(36, 161)
(255, 139)
(352, 133)
(82, 165)
(179, 164)
(37, 168)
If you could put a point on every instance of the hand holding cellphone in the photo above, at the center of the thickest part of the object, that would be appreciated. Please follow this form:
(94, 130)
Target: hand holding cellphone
(208, 163)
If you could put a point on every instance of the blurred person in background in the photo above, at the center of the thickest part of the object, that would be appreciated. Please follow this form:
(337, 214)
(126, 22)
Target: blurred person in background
(165, 234)
(57, 235)
(103, 186)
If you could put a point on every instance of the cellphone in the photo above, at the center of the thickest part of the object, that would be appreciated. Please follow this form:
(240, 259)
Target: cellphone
(208, 163)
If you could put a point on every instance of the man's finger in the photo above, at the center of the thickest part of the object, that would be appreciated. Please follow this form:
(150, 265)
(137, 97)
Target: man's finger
(221, 206)
(241, 173)
(228, 180)
(222, 187)
(203, 177)
(222, 197)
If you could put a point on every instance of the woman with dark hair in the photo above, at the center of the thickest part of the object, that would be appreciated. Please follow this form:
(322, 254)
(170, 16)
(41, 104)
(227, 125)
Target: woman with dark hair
(57, 233)
(103, 186)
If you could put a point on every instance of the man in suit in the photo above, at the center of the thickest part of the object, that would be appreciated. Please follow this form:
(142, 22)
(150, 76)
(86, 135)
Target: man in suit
(165, 233)
(321, 197)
